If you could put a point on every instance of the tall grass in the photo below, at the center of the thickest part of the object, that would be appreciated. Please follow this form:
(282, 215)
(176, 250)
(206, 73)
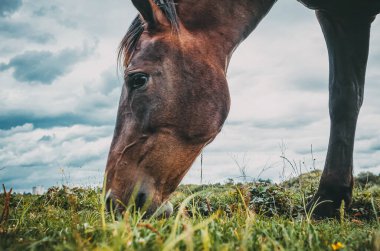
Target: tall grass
(249, 216)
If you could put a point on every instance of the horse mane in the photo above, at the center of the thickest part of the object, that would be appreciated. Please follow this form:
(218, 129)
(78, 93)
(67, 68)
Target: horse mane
(130, 39)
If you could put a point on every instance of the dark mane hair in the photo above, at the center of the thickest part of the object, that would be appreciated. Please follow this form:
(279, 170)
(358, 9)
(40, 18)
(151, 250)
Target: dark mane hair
(129, 41)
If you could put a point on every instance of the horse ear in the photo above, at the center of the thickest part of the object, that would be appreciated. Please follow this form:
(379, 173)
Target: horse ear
(151, 13)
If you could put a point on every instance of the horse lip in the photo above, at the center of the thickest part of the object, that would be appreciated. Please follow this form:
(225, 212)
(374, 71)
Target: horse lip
(110, 202)
(165, 210)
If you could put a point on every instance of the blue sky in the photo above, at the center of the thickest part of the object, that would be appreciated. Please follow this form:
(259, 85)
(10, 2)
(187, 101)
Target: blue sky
(60, 90)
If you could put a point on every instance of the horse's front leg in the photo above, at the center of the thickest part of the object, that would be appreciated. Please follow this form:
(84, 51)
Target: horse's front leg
(347, 39)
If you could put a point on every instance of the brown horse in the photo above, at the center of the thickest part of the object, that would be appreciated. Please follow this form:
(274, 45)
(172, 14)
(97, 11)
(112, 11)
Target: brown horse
(175, 98)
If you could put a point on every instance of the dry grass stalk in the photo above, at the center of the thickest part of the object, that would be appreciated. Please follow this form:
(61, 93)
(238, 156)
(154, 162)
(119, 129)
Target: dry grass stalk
(7, 199)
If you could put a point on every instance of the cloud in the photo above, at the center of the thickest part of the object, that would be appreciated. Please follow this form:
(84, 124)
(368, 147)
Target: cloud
(17, 129)
(109, 82)
(66, 103)
(32, 156)
(311, 83)
(44, 66)
(41, 121)
(8, 7)
(57, 13)
(19, 30)
(278, 80)
(286, 122)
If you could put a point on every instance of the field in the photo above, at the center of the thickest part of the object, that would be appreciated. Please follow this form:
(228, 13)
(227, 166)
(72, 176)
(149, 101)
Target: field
(243, 216)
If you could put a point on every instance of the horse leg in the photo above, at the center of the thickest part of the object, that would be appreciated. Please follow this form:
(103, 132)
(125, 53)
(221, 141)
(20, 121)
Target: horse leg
(347, 39)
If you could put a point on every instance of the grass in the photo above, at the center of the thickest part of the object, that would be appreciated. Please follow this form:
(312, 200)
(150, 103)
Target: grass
(250, 216)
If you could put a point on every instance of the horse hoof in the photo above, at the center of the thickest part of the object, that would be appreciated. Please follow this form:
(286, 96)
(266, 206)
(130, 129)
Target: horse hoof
(322, 208)
(328, 204)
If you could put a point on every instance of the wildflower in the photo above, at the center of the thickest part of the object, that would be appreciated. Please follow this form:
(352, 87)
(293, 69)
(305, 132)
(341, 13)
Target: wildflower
(337, 246)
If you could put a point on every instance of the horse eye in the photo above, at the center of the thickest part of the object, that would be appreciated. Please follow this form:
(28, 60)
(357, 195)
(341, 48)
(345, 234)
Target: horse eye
(137, 80)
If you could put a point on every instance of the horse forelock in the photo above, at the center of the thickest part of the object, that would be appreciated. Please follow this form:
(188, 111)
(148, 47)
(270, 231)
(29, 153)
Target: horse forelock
(129, 42)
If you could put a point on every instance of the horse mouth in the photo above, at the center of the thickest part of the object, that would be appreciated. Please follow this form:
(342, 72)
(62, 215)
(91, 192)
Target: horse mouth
(165, 210)
(147, 208)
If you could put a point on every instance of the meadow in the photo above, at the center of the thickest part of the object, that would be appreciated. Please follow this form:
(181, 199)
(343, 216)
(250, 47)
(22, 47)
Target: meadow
(232, 216)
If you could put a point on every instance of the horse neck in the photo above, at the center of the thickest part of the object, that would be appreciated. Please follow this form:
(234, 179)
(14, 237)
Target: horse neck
(225, 23)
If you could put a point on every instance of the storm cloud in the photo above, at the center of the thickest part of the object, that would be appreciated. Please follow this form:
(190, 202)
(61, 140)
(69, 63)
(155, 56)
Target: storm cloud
(44, 66)
(8, 7)
(15, 30)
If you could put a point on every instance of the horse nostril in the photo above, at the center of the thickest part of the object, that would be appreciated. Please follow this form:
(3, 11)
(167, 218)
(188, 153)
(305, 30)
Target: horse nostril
(140, 200)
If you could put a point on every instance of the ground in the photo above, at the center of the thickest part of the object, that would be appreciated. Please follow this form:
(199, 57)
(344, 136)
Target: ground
(243, 216)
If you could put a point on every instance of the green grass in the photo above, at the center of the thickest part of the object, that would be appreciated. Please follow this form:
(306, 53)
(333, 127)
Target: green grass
(253, 216)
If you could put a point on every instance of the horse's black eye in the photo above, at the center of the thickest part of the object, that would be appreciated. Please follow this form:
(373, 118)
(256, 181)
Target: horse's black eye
(137, 80)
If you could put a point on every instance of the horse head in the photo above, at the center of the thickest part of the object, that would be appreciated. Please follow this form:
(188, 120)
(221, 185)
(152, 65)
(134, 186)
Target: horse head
(174, 101)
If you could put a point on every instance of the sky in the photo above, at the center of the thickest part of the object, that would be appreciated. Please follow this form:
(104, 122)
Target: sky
(59, 91)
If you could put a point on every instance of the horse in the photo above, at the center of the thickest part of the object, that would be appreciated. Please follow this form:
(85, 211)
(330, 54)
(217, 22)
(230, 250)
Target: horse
(175, 95)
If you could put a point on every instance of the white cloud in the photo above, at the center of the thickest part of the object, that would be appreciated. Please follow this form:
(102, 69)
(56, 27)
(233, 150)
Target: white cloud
(24, 151)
